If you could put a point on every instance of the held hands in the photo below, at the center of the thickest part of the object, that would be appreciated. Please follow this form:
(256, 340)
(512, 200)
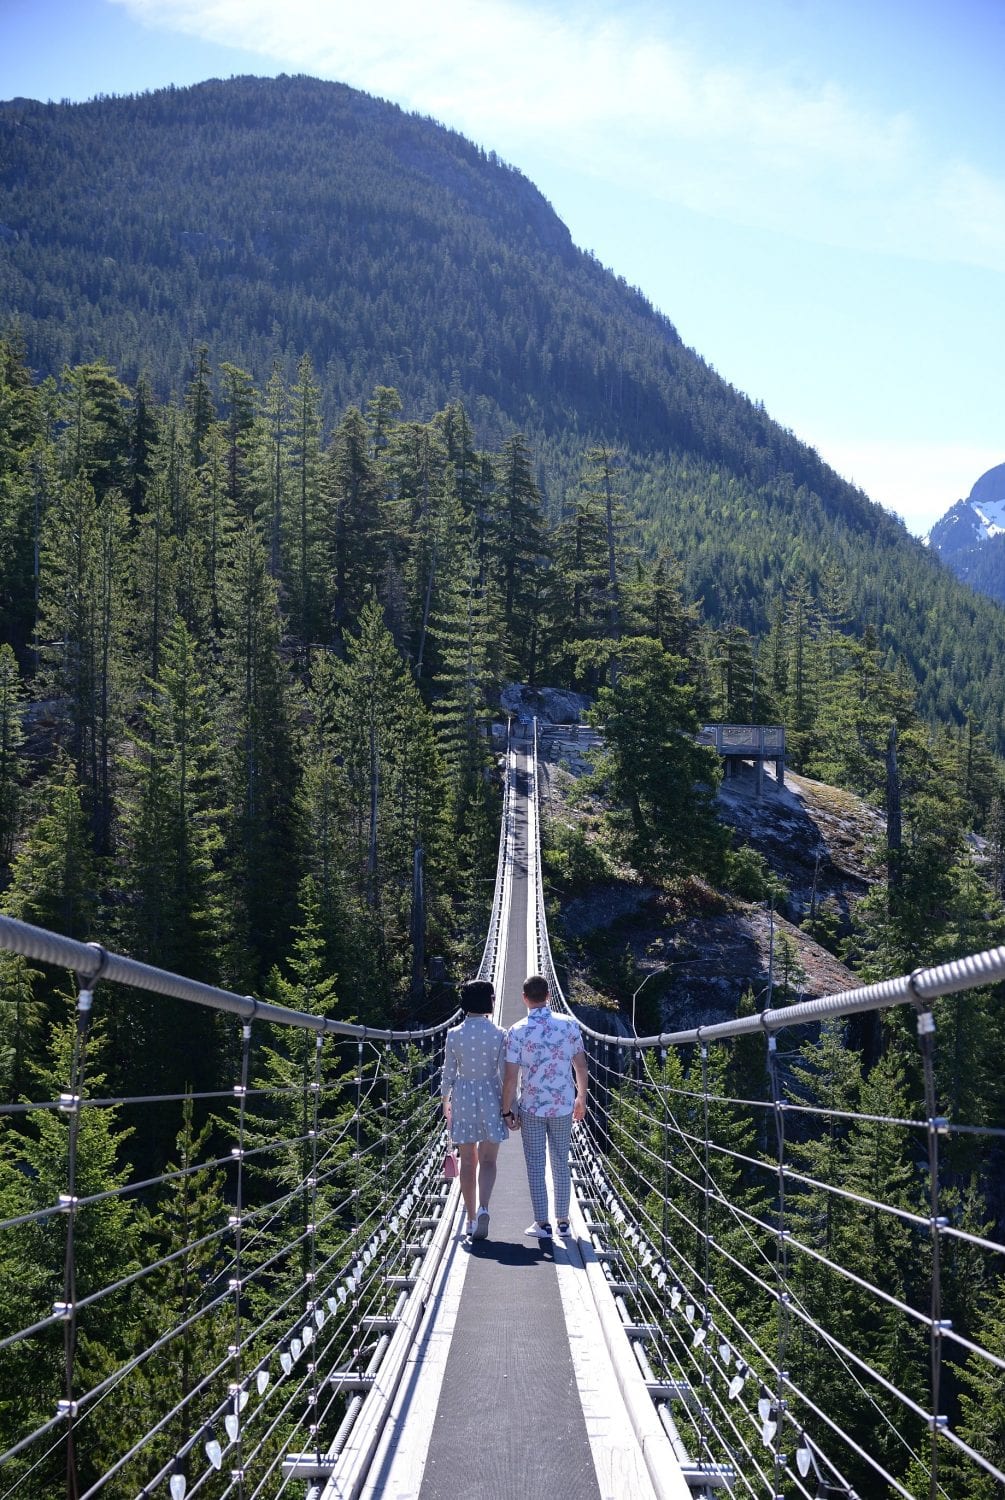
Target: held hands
(511, 1120)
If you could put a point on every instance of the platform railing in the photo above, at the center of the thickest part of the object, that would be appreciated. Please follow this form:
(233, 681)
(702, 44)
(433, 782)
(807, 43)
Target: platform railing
(787, 1240)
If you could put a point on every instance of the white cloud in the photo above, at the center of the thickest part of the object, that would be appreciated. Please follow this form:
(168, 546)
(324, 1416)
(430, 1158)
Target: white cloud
(920, 481)
(628, 106)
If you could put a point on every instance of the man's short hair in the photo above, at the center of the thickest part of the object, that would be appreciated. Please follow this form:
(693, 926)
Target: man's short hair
(477, 997)
(535, 987)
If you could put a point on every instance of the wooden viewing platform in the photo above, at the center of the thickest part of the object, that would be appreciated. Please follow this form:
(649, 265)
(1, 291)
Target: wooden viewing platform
(756, 742)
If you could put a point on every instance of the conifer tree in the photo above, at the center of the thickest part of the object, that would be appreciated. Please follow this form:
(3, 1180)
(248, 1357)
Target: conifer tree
(239, 425)
(96, 430)
(518, 548)
(391, 787)
(26, 478)
(353, 520)
(154, 575)
(173, 912)
(305, 568)
(263, 838)
(661, 782)
(143, 439)
(199, 407)
(274, 460)
(11, 740)
(54, 875)
(81, 631)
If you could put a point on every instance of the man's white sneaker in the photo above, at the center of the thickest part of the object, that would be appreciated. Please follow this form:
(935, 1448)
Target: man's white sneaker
(539, 1231)
(481, 1223)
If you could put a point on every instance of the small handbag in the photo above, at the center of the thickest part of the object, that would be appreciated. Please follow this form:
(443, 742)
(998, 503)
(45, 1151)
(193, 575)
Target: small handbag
(450, 1164)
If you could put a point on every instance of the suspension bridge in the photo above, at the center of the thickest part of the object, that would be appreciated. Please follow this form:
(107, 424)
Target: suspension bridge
(322, 1329)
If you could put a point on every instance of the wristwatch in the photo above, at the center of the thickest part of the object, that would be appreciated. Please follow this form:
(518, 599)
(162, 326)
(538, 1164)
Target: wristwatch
(508, 1114)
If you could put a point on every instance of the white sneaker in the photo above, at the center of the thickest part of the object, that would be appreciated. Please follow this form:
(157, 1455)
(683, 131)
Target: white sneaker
(481, 1229)
(539, 1231)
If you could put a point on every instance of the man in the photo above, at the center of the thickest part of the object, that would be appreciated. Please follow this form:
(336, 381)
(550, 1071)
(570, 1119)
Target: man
(545, 1051)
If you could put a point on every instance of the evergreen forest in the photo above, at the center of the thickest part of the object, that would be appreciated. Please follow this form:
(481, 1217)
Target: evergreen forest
(268, 218)
(315, 431)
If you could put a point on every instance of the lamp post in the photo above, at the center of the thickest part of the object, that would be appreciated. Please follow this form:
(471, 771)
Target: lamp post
(651, 975)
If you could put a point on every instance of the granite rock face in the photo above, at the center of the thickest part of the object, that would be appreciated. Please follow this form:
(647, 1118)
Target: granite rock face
(548, 705)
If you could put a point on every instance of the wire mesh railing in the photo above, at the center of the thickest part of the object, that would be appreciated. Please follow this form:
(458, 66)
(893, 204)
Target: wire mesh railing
(183, 1330)
(202, 1292)
(807, 1254)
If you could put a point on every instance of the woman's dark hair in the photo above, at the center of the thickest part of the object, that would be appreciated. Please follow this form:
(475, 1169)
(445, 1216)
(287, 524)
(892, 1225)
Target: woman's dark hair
(477, 997)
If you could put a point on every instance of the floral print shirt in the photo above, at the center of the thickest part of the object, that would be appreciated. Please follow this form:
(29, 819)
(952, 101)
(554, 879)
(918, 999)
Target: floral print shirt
(544, 1045)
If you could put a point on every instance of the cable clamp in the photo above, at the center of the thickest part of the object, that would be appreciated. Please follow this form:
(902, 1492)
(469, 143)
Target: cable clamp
(91, 979)
(69, 1104)
(67, 1202)
(63, 1310)
(938, 1424)
(67, 1408)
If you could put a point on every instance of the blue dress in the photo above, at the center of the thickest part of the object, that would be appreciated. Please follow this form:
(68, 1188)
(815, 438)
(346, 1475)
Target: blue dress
(473, 1059)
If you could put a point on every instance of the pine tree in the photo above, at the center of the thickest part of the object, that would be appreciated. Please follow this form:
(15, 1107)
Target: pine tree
(518, 549)
(96, 429)
(274, 460)
(11, 740)
(305, 568)
(352, 502)
(199, 407)
(173, 912)
(81, 631)
(239, 425)
(263, 837)
(661, 782)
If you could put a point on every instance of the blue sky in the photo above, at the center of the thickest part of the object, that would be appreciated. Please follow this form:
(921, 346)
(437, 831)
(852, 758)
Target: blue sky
(812, 190)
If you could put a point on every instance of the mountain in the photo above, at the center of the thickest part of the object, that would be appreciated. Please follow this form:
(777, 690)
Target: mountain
(970, 538)
(271, 217)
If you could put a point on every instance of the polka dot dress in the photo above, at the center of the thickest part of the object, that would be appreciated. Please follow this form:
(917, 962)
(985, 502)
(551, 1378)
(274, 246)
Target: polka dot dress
(472, 1076)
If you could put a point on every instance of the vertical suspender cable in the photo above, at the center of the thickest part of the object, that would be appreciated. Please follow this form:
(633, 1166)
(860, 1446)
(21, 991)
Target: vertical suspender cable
(312, 1210)
(706, 1315)
(71, 1104)
(241, 1091)
(781, 1272)
(936, 1125)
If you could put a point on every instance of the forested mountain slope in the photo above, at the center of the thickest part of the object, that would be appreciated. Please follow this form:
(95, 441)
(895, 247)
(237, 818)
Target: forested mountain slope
(273, 218)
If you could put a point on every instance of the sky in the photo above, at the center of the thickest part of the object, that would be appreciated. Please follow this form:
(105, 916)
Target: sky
(813, 191)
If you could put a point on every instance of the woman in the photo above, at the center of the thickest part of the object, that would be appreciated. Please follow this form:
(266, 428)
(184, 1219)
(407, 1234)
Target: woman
(471, 1089)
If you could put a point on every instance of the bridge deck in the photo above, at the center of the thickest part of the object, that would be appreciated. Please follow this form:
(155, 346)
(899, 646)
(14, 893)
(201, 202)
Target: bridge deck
(496, 1404)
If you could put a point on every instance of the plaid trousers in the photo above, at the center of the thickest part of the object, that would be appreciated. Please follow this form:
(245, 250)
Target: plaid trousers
(555, 1132)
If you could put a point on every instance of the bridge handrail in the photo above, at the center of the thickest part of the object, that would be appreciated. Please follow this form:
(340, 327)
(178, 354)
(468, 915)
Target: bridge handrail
(917, 988)
(91, 962)
(486, 968)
